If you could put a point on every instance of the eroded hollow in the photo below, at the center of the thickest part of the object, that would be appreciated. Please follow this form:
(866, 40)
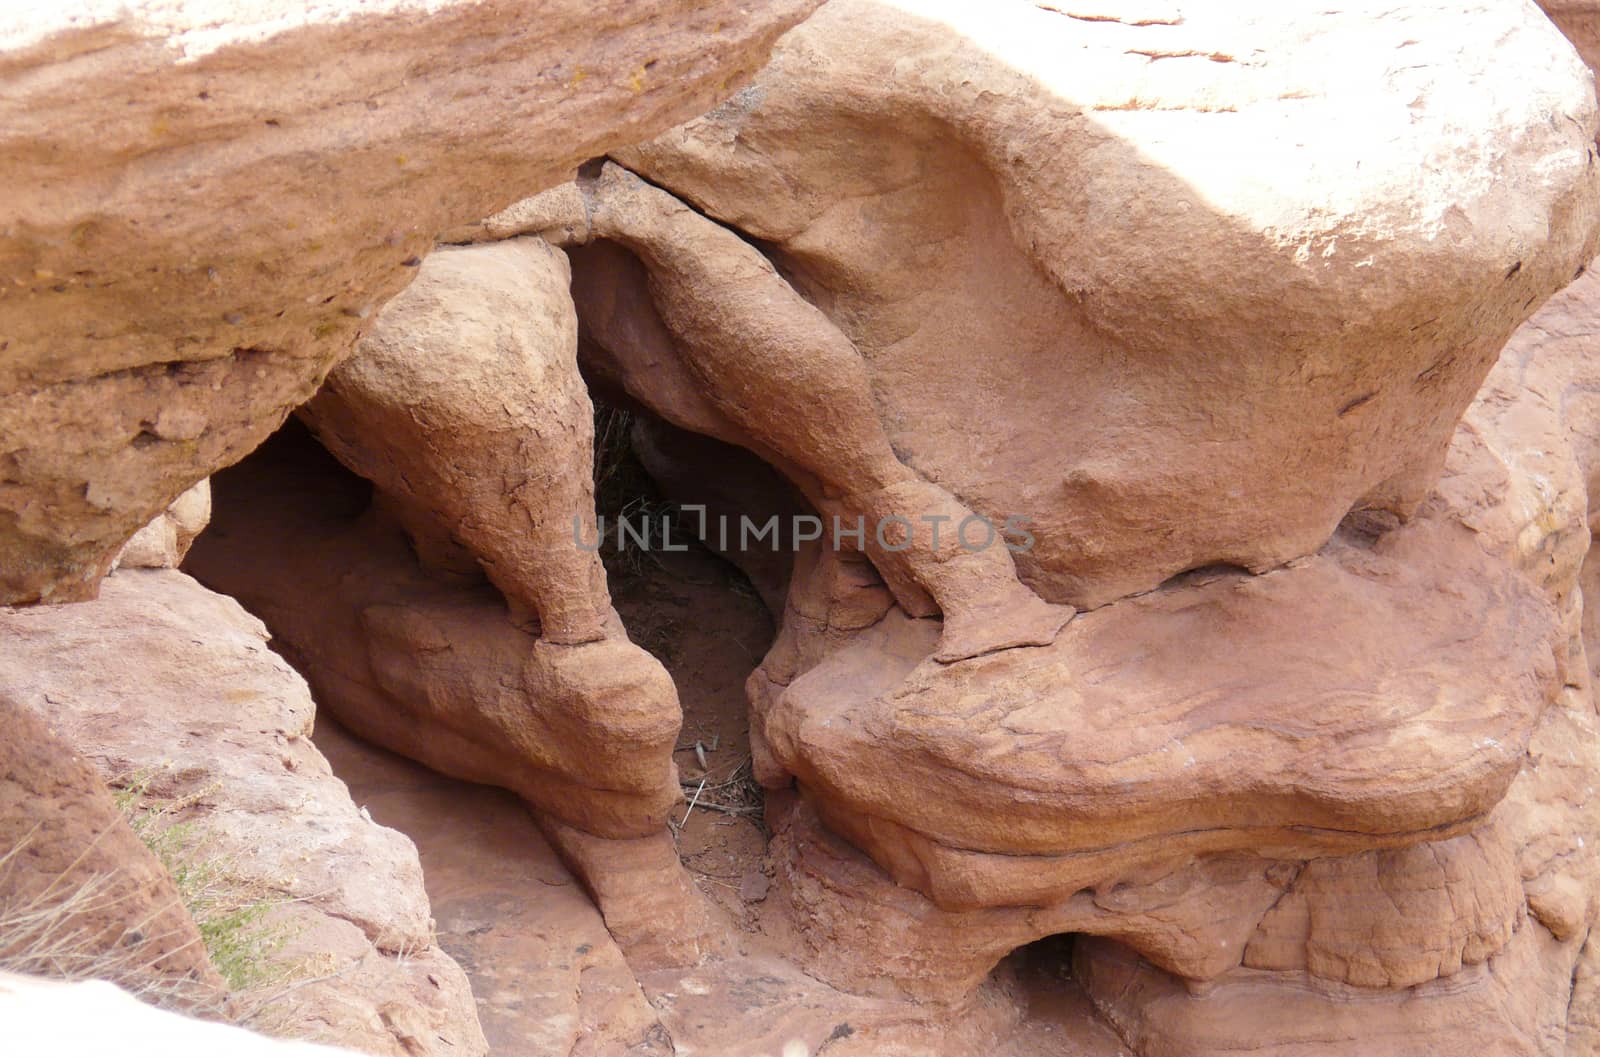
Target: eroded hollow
(708, 619)
(287, 524)
(288, 519)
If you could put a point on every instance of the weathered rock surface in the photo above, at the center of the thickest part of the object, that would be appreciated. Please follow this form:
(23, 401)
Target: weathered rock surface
(1183, 302)
(163, 543)
(1520, 477)
(80, 895)
(1371, 720)
(551, 976)
(1193, 920)
(1195, 719)
(776, 371)
(547, 976)
(465, 408)
(1514, 1005)
(1580, 21)
(161, 678)
(430, 665)
(1130, 296)
(1465, 944)
(1330, 925)
(180, 269)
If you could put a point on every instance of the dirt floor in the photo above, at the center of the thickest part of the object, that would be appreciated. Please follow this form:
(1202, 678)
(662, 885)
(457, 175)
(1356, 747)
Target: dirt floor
(548, 978)
(708, 627)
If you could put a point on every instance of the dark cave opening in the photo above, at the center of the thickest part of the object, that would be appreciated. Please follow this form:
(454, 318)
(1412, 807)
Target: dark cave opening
(274, 543)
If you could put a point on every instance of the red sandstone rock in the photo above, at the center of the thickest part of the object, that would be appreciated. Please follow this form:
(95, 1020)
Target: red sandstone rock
(161, 678)
(180, 269)
(464, 405)
(1182, 300)
(1131, 295)
(429, 664)
(80, 895)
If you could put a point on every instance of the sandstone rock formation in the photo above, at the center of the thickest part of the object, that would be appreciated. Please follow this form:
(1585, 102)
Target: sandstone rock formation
(182, 268)
(1468, 944)
(1206, 334)
(1213, 774)
(163, 679)
(432, 667)
(471, 380)
(80, 896)
(780, 375)
(1521, 477)
(1022, 783)
(1182, 722)
(164, 542)
(1267, 704)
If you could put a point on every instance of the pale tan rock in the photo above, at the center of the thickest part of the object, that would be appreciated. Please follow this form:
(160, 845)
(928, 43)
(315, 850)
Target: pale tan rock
(1130, 295)
(162, 678)
(163, 543)
(207, 200)
(389, 1003)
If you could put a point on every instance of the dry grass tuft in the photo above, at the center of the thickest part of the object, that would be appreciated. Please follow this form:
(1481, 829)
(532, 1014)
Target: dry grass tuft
(231, 910)
(58, 932)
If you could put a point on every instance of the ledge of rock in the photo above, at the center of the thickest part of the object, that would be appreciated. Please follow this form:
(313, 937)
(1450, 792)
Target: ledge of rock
(180, 269)
(1369, 696)
(1207, 332)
